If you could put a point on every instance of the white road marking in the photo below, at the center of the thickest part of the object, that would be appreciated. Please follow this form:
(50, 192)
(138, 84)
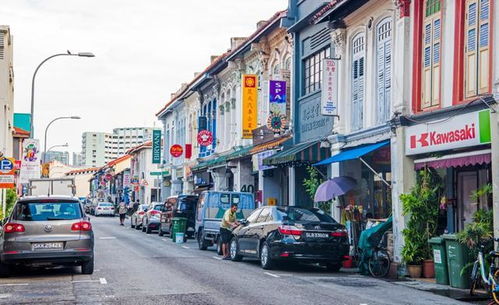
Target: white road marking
(5, 296)
(185, 247)
(15, 284)
(85, 281)
(107, 237)
(216, 257)
(103, 281)
(271, 274)
(164, 239)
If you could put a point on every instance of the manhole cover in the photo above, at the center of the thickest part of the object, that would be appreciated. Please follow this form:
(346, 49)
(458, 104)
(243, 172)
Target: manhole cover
(348, 282)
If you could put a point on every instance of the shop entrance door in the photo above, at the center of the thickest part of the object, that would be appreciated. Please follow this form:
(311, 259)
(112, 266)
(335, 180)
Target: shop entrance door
(467, 182)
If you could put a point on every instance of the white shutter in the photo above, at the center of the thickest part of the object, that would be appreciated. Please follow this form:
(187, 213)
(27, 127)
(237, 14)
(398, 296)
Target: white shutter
(470, 57)
(383, 66)
(483, 47)
(358, 70)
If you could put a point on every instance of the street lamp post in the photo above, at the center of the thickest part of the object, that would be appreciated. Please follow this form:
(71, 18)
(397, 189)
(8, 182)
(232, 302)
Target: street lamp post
(81, 54)
(47, 128)
(58, 145)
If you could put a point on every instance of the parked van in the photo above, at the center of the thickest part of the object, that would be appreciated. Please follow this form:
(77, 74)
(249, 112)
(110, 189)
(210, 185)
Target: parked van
(210, 210)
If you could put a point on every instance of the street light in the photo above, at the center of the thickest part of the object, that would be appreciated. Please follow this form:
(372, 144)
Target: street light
(58, 145)
(47, 128)
(80, 54)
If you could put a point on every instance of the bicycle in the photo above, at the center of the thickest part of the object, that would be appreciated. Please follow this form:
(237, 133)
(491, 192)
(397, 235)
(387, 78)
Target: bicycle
(379, 262)
(478, 275)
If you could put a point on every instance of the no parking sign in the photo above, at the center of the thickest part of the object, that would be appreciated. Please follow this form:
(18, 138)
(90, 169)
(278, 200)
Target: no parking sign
(7, 171)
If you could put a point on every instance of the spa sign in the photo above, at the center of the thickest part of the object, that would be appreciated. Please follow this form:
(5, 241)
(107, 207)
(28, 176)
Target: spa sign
(464, 130)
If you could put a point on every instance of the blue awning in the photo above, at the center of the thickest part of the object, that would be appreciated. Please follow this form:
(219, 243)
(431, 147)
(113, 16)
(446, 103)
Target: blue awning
(354, 153)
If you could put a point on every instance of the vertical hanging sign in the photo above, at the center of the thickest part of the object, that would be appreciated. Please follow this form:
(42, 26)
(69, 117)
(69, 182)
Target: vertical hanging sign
(250, 99)
(156, 146)
(277, 105)
(328, 98)
(30, 163)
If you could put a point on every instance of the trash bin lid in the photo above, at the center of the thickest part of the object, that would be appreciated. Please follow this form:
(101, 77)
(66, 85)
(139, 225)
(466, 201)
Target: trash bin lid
(449, 236)
(437, 240)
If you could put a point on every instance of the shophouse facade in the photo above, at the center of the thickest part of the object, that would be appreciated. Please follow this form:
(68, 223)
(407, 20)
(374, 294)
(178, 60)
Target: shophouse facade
(6, 91)
(146, 185)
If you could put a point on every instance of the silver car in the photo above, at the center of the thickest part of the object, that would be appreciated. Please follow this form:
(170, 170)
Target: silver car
(47, 231)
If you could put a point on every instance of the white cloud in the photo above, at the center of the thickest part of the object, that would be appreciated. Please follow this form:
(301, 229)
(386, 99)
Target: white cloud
(144, 51)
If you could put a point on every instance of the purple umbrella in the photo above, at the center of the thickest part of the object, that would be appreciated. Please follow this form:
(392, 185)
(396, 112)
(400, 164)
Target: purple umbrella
(333, 188)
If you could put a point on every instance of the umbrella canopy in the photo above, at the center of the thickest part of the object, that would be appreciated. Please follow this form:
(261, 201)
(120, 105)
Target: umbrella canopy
(333, 188)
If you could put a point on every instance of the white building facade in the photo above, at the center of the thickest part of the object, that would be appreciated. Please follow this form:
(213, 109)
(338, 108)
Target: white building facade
(6, 91)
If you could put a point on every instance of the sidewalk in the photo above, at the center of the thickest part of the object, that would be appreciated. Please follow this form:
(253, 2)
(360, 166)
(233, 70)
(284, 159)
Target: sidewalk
(429, 285)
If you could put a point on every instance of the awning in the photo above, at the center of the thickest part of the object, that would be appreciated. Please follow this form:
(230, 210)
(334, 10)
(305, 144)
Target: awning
(357, 153)
(307, 153)
(238, 153)
(456, 160)
(354, 153)
(268, 145)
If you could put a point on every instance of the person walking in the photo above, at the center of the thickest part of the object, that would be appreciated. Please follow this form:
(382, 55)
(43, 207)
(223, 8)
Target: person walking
(122, 209)
(229, 222)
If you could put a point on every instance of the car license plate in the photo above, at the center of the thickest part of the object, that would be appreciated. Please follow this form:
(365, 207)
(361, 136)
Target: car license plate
(47, 246)
(316, 235)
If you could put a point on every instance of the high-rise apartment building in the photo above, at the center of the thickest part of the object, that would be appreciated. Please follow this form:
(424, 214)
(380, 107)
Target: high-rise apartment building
(98, 148)
(61, 156)
(6, 91)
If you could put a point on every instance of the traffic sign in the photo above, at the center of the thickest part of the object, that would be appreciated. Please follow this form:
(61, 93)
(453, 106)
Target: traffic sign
(7, 181)
(7, 166)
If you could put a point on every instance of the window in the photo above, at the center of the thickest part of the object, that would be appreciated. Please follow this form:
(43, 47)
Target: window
(313, 70)
(358, 80)
(383, 69)
(264, 215)
(254, 216)
(476, 47)
(432, 29)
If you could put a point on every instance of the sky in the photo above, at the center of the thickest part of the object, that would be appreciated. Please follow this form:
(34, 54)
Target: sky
(144, 51)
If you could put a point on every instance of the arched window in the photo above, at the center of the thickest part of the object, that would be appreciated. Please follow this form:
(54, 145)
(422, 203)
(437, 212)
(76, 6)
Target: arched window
(358, 80)
(383, 70)
(276, 70)
(287, 64)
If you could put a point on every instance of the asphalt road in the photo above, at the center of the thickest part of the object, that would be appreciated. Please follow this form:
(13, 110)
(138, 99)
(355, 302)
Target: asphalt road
(135, 268)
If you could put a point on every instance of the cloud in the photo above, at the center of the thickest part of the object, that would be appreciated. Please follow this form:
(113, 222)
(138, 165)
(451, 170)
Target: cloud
(144, 51)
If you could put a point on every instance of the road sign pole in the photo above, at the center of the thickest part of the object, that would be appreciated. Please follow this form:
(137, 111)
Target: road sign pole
(4, 202)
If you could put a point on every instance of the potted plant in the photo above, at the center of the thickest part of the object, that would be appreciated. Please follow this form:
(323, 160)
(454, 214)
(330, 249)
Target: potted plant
(421, 206)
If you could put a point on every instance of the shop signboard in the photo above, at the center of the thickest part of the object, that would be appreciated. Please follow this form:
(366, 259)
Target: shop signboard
(156, 146)
(176, 150)
(258, 160)
(460, 131)
(127, 181)
(250, 99)
(205, 138)
(30, 165)
(328, 97)
(277, 105)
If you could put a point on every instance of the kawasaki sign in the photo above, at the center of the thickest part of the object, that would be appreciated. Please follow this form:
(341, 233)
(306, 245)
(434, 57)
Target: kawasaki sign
(464, 130)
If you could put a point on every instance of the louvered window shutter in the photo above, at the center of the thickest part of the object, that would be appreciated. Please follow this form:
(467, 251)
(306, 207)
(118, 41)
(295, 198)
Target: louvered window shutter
(383, 66)
(358, 78)
(484, 47)
(432, 50)
(471, 69)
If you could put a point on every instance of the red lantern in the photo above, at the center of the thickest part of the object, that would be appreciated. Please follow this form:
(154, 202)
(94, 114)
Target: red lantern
(188, 151)
(176, 150)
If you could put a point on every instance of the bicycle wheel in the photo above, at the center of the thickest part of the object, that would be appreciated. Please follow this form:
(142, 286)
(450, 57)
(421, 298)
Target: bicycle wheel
(494, 288)
(475, 278)
(379, 263)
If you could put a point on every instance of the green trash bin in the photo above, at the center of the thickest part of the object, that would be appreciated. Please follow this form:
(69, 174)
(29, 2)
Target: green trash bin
(440, 260)
(458, 256)
(179, 226)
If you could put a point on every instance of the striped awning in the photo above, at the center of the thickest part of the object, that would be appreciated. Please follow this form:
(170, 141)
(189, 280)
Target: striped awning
(301, 154)
(268, 145)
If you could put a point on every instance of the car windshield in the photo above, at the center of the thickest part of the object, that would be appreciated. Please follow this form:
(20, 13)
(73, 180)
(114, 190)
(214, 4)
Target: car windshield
(158, 207)
(187, 203)
(144, 207)
(105, 205)
(42, 211)
(303, 215)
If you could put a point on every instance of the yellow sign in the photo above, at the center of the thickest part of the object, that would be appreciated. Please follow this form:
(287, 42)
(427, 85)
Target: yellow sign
(250, 100)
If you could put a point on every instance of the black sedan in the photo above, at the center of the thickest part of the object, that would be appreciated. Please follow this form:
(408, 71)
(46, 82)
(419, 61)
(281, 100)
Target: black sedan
(290, 234)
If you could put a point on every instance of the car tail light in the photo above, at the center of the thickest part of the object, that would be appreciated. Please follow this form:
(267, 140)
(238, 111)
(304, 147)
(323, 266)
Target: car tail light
(81, 226)
(13, 228)
(339, 233)
(290, 230)
(155, 212)
(99, 208)
(284, 254)
(141, 213)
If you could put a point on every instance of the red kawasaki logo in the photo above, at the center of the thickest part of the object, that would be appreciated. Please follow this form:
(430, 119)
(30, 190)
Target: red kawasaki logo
(435, 138)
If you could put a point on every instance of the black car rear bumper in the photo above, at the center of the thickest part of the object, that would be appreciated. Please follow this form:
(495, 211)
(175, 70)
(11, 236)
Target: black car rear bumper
(59, 257)
(310, 253)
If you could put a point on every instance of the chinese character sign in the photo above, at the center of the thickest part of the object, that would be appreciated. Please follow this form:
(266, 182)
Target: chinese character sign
(328, 98)
(156, 146)
(250, 99)
(30, 162)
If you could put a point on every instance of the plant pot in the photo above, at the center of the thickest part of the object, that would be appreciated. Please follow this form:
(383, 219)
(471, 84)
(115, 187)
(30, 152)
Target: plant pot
(429, 269)
(415, 271)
